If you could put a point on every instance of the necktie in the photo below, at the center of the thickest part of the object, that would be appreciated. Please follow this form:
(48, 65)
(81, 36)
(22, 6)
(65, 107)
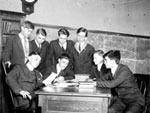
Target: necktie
(79, 47)
(62, 48)
(40, 48)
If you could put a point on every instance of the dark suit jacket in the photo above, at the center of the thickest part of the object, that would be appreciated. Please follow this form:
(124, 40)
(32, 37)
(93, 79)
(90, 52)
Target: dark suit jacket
(124, 83)
(13, 51)
(20, 78)
(68, 74)
(42, 52)
(83, 62)
(95, 74)
(55, 51)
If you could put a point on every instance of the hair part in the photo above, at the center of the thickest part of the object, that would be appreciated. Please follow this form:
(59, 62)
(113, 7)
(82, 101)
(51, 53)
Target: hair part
(113, 54)
(99, 52)
(32, 53)
(63, 31)
(41, 31)
(28, 24)
(65, 56)
(82, 29)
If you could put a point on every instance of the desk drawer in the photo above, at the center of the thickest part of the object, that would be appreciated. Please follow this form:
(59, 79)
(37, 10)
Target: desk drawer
(73, 104)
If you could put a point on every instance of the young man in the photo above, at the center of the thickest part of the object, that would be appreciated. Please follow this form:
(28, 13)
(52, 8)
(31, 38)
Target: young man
(59, 72)
(82, 53)
(23, 80)
(129, 99)
(99, 69)
(58, 47)
(17, 49)
(40, 45)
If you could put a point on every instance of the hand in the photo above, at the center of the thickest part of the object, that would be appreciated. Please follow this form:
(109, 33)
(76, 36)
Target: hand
(48, 85)
(59, 79)
(25, 94)
(8, 63)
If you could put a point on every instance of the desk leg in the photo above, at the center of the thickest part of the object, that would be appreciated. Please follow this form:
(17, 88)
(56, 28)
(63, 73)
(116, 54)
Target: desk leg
(42, 103)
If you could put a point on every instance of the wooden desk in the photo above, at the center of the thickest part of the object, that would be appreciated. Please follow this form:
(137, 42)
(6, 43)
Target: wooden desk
(73, 100)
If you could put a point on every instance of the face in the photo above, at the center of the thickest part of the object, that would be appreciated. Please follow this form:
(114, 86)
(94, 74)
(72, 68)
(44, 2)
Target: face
(40, 38)
(26, 31)
(97, 59)
(62, 39)
(63, 63)
(81, 37)
(34, 60)
(108, 62)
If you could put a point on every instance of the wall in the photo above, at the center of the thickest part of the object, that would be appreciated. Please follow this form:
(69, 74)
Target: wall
(123, 16)
(135, 50)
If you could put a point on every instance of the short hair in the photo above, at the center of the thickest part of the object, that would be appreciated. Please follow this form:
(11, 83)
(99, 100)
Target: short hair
(99, 52)
(41, 31)
(28, 24)
(113, 54)
(31, 54)
(82, 29)
(63, 31)
(65, 56)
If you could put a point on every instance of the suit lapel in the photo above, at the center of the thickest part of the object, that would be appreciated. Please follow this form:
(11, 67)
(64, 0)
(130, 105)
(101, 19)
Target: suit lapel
(18, 41)
(30, 47)
(37, 48)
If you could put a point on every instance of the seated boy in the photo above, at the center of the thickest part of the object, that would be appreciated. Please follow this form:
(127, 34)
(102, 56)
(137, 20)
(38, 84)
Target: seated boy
(99, 69)
(60, 71)
(129, 99)
(23, 80)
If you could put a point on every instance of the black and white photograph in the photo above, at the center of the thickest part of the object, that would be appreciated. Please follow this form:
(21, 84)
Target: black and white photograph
(74, 56)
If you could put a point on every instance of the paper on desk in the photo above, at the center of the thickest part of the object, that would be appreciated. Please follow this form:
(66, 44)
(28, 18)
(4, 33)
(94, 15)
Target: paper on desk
(50, 78)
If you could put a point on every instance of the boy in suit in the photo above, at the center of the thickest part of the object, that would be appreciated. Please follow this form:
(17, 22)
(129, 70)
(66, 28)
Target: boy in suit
(58, 47)
(60, 70)
(40, 45)
(82, 53)
(17, 49)
(23, 80)
(99, 69)
(129, 99)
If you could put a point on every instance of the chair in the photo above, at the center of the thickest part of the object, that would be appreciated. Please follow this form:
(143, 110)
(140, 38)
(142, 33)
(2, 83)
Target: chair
(15, 109)
(142, 86)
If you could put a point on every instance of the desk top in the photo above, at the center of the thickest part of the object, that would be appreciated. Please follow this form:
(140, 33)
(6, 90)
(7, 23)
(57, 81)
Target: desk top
(75, 91)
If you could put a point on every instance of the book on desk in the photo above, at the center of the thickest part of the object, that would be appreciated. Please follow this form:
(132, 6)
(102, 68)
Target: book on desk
(87, 84)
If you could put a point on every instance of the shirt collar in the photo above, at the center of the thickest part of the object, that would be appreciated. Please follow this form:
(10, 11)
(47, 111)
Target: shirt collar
(64, 45)
(22, 37)
(58, 68)
(99, 66)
